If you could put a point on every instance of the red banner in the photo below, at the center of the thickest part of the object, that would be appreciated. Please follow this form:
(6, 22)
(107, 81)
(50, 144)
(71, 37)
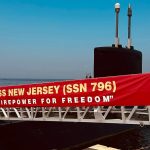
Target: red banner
(127, 90)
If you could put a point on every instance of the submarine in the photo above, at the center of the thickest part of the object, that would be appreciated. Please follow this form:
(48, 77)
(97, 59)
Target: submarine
(118, 60)
(108, 61)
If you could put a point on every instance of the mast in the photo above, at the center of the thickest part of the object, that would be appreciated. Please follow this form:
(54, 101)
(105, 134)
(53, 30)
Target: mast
(129, 26)
(117, 10)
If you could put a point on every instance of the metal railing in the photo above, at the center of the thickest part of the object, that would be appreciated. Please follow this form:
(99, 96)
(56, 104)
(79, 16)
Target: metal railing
(101, 114)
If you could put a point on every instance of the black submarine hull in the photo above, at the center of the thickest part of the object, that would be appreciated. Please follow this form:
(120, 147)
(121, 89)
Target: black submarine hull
(56, 135)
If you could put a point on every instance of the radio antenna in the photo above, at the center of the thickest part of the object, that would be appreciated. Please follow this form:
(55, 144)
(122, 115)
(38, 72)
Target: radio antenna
(129, 26)
(117, 9)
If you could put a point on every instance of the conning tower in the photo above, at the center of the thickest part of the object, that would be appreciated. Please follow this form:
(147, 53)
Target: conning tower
(117, 60)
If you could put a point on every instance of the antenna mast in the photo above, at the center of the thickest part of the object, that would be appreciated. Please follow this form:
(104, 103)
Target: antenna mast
(129, 26)
(117, 9)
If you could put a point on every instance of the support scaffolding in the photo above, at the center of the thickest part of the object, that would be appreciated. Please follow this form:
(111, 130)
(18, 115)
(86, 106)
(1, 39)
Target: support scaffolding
(101, 114)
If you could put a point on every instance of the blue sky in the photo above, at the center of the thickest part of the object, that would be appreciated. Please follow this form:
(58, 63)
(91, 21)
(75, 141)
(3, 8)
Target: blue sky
(56, 38)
